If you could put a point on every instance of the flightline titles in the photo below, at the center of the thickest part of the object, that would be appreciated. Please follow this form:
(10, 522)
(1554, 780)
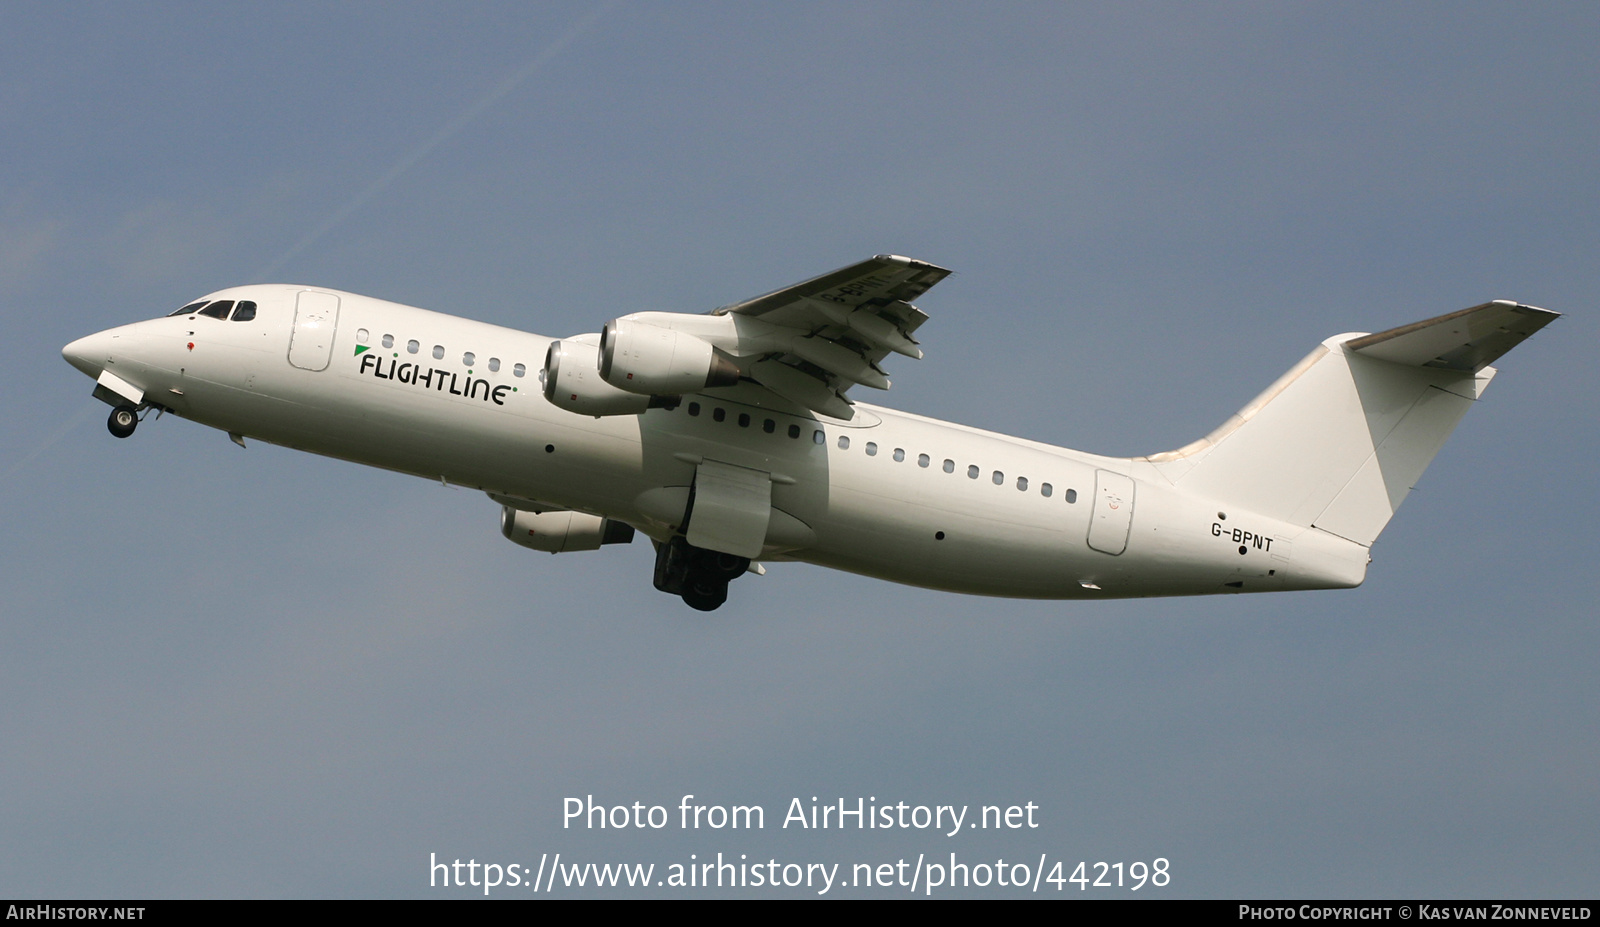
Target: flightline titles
(860, 813)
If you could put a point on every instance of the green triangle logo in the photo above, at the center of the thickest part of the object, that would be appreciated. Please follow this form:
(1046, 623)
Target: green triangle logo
(361, 347)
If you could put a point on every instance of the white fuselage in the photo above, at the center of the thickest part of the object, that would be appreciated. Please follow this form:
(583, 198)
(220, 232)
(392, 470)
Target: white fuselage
(887, 494)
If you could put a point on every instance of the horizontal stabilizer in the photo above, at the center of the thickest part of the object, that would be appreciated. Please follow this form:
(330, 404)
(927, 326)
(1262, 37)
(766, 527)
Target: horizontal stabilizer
(1469, 340)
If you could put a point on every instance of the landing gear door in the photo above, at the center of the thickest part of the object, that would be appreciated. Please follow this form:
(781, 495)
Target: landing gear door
(316, 315)
(731, 509)
(1113, 512)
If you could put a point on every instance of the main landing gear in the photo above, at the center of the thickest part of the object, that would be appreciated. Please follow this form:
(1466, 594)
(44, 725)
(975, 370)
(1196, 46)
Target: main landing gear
(123, 420)
(700, 576)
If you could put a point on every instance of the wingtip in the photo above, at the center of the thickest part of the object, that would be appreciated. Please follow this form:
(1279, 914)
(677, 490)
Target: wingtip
(903, 261)
(1550, 314)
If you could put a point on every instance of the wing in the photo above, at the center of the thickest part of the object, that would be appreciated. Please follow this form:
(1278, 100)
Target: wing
(812, 341)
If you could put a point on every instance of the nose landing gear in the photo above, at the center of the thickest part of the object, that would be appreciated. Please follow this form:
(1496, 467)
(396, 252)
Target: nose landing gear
(700, 576)
(123, 420)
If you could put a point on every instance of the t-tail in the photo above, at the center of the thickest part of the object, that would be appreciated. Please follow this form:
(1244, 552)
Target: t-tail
(1337, 442)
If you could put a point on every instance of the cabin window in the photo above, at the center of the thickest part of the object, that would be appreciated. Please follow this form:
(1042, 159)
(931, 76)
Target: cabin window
(769, 426)
(438, 352)
(412, 346)
(469, 358)
(922, 460)
(1022, 484)
(844, 442)
(949, 466)
(186, 310)
(899, 454)
(817, 437)
(972, 472)
(494, 365)
(794, 431)
(388, 341)
(362, 335)
(218, 309)
(744, 420)
(719, 413)
(872, 448)
(999, 478)
(694, 408)
(1072, 495)
(1045, 490)
(519, 370)
(247, 311)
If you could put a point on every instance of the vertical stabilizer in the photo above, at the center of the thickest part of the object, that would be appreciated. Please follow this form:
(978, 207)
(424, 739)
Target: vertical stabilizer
(1338, 441)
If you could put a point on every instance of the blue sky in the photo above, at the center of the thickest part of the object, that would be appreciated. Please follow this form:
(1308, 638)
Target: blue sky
(263, 673)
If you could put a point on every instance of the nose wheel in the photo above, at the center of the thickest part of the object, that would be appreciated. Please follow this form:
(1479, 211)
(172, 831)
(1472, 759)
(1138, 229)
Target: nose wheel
(123, 420)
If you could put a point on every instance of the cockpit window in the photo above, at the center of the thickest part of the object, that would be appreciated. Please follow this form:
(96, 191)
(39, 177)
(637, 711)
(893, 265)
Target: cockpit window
(187, 310)
(246, 311)
(218, 309)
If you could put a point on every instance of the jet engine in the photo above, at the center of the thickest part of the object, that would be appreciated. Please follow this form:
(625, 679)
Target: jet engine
(556, 532)
(572, 382)
(643, 358)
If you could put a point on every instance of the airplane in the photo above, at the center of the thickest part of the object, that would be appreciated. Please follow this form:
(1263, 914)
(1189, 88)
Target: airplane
(729, 440)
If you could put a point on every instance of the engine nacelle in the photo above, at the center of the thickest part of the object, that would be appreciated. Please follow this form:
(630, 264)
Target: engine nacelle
(557, 532)
(572, 382)
(643, 358)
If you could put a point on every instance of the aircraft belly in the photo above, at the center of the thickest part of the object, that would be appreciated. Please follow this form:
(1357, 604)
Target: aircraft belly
(900, 539)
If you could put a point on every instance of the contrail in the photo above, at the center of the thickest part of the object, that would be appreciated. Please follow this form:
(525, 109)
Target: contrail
(448, 131)
(47, 443)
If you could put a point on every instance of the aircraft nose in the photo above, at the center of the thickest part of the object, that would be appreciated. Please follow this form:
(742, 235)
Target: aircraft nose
(89, 354)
